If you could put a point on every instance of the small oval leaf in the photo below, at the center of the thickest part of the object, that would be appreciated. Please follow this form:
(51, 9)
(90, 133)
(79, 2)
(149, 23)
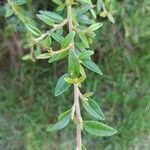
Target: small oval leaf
(62, 123)
(45, 19)
(74, 64)
(92, 66)
(68, 39)
(54, 16)
(34, 30)
(58, 56)
(93, 109)
(98, 129)
(61, 85)
(84, 39)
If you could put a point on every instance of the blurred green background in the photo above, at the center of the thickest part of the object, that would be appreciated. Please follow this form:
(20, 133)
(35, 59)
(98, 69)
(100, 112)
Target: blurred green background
(27, 101)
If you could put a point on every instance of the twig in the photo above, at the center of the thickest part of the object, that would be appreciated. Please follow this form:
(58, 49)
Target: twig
(76, 90)
(50, 31)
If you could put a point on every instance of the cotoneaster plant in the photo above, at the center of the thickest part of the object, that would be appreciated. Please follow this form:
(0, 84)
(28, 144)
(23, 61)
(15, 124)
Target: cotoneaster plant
(74, 33)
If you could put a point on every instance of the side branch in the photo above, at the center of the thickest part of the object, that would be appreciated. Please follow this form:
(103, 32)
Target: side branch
(57, 26)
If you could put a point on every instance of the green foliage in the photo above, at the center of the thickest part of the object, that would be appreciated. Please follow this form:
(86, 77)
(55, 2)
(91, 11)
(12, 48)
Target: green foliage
(93, 109)
(54, 16)
(92, 66)
(34, 30)
(62, 123)
(61, 85)
(76, 74)
(45, 19)
(58, 56)
(73, 64)
(98, 129)
(124, 88)
(68, 39)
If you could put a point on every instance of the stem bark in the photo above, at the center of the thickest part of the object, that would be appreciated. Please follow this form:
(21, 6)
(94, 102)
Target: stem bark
(76, 90)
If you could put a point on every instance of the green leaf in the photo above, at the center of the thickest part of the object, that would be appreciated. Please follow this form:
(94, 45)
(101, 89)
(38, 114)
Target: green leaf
(27, 57)
(99, 5)
(60, 8)
(59, 38)
(104, 14)
(20, 2)
(111, 18)
(84, 19)
(46, 19)
(44, 56)
(59, 31)
(58, 56)
(34, 30)
(84, 39)
(47, 42)
(62, 123)
(83, 147)
(52, 15)
(74, 64)
(95, 26)
(92, 66)
(8, 10)
(85, 55)
(68, 39)
(58, 2)
(93, 13)
(98, 129)
(93, 109)
(86, 1)
(64, 114)
(61, 85)
(81, 11)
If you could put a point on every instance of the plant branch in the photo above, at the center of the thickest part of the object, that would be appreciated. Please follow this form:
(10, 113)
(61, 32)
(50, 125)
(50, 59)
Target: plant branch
(76, 104)
(57, 26)
(78, 118)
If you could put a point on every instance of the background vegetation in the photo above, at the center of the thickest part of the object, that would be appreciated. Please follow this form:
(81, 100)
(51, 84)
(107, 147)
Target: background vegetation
(27, 102)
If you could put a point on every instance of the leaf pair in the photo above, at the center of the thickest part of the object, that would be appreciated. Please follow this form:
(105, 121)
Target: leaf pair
(92, 127)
